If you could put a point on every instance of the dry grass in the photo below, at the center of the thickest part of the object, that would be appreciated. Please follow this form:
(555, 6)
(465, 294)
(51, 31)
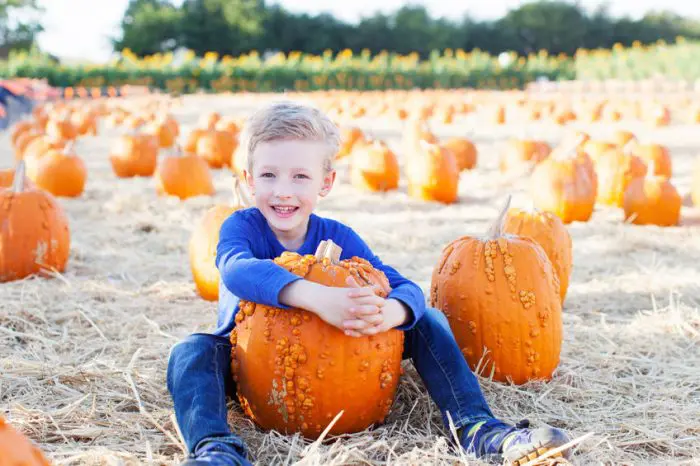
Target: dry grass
(84, 355)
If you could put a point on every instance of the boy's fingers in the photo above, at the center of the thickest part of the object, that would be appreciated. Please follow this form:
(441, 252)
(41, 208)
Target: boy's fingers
(363, 291)
(352, 283)
(375, 319)
(352, 333)
(372, 299)
(365, 309)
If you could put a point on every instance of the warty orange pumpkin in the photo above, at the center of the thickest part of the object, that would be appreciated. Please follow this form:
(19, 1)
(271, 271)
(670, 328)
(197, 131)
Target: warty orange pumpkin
(295, 373)
(34, 233)
(502, 299)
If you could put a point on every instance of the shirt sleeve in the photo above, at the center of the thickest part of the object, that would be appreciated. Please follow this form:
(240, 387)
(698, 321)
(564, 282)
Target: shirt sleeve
(402, 288)
(249, 278)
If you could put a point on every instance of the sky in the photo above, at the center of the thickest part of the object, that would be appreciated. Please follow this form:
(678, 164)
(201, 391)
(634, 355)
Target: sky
(80, 29)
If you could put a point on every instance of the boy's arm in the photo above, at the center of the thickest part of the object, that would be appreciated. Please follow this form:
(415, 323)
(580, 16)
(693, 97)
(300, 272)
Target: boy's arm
(402, 289)
(249, 278)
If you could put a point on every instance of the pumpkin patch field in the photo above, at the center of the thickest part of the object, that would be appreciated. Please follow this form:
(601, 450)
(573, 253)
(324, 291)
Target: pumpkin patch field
(571, 220)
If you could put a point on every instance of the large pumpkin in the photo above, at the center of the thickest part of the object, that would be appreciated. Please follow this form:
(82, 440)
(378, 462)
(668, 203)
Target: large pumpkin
(295, 373)
(203, 242)
(18, 450)
(550, 233)
(502, 299)
(34, 234)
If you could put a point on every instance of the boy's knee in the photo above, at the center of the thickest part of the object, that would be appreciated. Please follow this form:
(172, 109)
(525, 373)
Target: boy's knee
(435, 315)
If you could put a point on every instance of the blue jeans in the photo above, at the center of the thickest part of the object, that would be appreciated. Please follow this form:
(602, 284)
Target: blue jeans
(199, 378)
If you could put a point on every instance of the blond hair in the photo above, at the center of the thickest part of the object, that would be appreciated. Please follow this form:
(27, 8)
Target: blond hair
(288, 120)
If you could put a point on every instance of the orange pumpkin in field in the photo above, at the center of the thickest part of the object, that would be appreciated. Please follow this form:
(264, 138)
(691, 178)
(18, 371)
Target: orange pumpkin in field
(40, 145)
(550, 233)
(521, 155)
(7, 177)
(216, 148)
(204, 240)
(296, 373)
(349, 137)
(374, 167)
(502, 299)
(193, 138)
(184, 176)
(35, 238)
(432, 174)
(134, 155)
(652, 200)
(16, 449)
(656, 154)
(616, 169)
(464, 151)
(23, 141)
(61, 128)
(60, 172)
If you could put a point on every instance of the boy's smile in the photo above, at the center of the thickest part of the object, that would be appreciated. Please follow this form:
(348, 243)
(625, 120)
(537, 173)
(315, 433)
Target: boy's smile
(287, 178)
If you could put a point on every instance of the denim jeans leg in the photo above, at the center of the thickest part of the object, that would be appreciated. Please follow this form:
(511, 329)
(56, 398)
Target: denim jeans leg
(199, 379)
(450, 382)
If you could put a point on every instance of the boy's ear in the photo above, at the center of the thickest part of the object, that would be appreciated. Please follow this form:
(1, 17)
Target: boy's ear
(249, 181)
(328, 181)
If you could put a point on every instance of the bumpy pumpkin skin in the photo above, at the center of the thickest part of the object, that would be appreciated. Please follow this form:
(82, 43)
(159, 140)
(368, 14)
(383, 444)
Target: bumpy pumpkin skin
(652, 200)
(16, 449)
(501, 293)
(202, 250)
(34, 234)
(295, 373)
(549, 232)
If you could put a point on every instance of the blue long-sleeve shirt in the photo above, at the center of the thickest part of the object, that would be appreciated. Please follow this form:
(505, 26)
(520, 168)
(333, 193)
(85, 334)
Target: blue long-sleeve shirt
(245, 253)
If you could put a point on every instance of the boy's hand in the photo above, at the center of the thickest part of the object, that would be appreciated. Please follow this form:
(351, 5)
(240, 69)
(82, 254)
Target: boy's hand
(373, 314)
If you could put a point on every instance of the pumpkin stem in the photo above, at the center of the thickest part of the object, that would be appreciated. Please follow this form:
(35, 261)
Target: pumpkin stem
(327, 249)
(496, 229)
(18, 181)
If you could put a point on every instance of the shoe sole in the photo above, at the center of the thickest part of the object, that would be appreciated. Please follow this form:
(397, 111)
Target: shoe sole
(536, 454)
(523, 455)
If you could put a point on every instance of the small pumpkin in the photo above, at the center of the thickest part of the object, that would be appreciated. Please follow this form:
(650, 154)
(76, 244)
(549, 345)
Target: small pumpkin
(16, 449)
(34, 234)
(464, 151)
(216, 148)
(163, 131)
(208, 121)
(295, 373)
(41, 145)
(566, 185)
(623, 137)
(616, 169)
(349, 137)
(547, 230)
(60, 171)
(134, 155)
(374, 167)
(652, 200)
(7, 177)
(24, 140)
(61, 128)
(183, 175)
(657, 154)
(204, 240)
(192, 139)
(522, 155)
(502, 300)
(19, 128)
(432, 174)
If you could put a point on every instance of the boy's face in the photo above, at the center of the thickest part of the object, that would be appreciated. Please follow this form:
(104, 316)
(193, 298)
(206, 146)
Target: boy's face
(287, 178)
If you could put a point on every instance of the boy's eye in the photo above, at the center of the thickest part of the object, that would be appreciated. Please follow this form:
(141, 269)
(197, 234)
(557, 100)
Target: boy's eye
(267, 175)
(302, 176)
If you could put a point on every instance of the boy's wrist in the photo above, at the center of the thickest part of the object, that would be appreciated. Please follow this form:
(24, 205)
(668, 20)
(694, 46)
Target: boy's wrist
(300, 294)
(400, 312)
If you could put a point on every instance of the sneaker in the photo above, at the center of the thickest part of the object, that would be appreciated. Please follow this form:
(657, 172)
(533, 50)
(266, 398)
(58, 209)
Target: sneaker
(494, 439)
(217, 454)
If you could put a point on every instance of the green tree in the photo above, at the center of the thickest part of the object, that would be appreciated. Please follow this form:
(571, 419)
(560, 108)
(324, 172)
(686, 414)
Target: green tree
(149, 26)
(15, 34)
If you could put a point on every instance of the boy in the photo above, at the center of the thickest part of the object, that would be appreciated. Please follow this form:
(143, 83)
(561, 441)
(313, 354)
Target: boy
(290, 150)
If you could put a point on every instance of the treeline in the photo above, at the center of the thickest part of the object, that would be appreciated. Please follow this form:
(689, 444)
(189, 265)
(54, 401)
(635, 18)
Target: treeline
(232, 27)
